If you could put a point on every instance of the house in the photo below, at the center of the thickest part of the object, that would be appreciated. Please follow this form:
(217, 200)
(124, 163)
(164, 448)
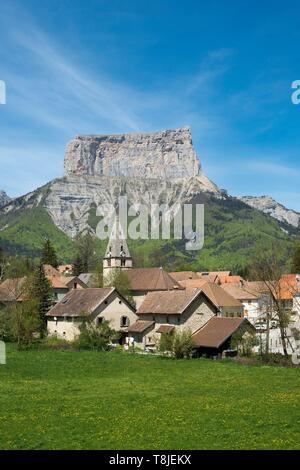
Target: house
(250, 300)
(228, 306)
(164, 311)
(184, 275)
(65, 269)
(87, 278)
(61, 285)
(214, 338)
(11, 291)
(96, 305)
(144, 280)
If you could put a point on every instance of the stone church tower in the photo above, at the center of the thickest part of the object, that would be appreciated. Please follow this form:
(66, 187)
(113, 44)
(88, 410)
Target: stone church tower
(117, 254)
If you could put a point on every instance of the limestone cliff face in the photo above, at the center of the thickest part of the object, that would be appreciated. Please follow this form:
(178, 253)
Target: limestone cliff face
(268, 205)
(165, 154)
(4, 199)
(156, 168)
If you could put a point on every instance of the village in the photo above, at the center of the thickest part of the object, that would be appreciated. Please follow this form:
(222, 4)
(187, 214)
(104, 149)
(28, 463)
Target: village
(222, 314)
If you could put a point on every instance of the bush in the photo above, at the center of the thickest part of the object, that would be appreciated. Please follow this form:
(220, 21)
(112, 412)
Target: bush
(179, 343)
(53, 342)
(96, 337)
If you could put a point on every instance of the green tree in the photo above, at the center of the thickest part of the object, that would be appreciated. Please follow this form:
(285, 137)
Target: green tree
(19, 266)
(119, 279)
(85, 259)
(23, 322)
(49, 254)
(296, 259)
(179, 343)
(96, 337)
(39, 290)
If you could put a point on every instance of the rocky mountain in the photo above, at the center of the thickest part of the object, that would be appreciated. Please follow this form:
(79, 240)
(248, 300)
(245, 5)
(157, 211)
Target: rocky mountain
(149, 168)
(269, 206)
(164, 155)
(4, 199)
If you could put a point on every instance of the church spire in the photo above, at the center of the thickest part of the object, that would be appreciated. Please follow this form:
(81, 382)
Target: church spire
(117, 255)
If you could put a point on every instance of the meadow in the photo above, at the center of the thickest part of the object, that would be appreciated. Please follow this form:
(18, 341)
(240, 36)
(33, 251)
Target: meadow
(53, 399)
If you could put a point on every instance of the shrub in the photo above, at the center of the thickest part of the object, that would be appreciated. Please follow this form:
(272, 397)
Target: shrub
(179, 343)
(96, 337)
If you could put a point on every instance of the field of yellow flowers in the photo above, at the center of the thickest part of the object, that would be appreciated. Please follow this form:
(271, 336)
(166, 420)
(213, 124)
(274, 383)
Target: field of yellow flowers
(114, 400)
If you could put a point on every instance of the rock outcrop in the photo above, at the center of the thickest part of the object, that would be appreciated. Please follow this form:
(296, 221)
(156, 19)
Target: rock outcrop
(268, 205)
(149, 168)
(165, 154)
(4, 199)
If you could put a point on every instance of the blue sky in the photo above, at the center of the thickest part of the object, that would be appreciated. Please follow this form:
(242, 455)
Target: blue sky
(85, 67)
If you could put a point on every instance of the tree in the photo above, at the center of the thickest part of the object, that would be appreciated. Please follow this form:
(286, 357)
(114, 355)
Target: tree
(97, 337)
(296, 259)
(179, 343)
(24, 322)
(39, 290)
(269, 270)
(18, 266)
(244, 342)
(3, 264)
(119, 279)
(85, 259)
(49, 254)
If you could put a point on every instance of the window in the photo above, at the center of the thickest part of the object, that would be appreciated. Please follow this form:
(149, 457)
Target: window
(124, 321)
(123, 261)
(99, 320)
(178, 319)
(167, 318)
(75, 285)
(120, 302)
(109, 263)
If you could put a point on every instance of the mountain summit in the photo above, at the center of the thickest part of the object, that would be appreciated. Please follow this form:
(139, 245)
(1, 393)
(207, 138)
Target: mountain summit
(149, 168)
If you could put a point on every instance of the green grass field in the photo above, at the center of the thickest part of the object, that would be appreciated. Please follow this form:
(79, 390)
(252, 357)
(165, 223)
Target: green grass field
(90, 400)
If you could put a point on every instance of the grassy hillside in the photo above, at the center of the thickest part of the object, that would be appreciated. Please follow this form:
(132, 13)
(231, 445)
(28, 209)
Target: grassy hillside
(25, 231)
(234, 234)
(115, 400)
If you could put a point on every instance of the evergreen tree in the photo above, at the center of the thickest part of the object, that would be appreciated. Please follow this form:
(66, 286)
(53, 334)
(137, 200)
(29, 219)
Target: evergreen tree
(48, 254)
(85, 259)
(296, 259)
(40, 291)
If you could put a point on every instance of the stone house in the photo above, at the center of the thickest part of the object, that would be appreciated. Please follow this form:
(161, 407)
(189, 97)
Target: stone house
(97, 305)
(164, 311)
(61, 284)
(228, 306)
